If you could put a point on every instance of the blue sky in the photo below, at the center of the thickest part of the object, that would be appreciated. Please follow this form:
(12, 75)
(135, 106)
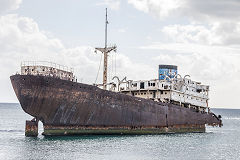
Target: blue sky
(201, 37)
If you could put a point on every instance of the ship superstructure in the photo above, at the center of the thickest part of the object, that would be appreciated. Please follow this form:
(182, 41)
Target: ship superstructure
(170, 87)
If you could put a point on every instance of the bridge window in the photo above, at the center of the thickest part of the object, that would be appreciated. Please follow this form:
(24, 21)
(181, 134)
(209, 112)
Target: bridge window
(142, 85)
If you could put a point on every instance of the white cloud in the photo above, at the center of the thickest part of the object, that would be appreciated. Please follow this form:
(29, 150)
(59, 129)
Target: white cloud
(211, 22)
(215, 34)
(113, 4)
(214, 9)
(159, 8)
(217, 10)
(8, 5)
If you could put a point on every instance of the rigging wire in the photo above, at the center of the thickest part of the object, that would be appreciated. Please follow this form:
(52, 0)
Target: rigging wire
(115, 55)
(112, 67)
(98, 69)
(109, 70)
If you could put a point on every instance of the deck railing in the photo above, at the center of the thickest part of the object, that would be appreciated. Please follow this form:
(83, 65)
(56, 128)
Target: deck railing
(47, 64)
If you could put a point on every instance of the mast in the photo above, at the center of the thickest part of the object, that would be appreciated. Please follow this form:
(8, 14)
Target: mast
(106, 23)
(105, 52)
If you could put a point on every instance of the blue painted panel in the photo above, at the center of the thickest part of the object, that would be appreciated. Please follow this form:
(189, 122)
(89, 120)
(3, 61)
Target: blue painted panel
(164, 71)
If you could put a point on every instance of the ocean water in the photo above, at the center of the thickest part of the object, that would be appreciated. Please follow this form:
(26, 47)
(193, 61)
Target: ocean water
(216, 143)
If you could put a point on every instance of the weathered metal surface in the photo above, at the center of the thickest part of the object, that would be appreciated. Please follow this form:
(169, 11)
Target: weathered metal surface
(31, 129)
(120, 130)
(58, 102)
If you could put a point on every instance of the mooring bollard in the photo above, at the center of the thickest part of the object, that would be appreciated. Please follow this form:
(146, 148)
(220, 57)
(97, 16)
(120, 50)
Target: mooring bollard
(31, 129)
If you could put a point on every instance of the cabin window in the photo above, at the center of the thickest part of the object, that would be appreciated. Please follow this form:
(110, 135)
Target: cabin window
(153, 84)
(141, 93)
(134, 84)
(142, 85)
(165, 92)
(154, 94)
(149, 84)
(162, 85)
(199, 90)
(161, 92)
(144, 93)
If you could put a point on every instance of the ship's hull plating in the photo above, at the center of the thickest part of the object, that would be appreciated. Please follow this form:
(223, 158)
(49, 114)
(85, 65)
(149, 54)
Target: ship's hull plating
(69, 108)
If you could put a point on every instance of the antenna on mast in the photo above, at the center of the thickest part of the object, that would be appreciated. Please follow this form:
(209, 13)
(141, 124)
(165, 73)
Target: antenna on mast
(105, 52)
(106, 23)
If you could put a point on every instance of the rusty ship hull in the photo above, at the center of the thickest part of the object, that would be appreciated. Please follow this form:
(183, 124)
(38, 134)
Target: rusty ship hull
(71, 108)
